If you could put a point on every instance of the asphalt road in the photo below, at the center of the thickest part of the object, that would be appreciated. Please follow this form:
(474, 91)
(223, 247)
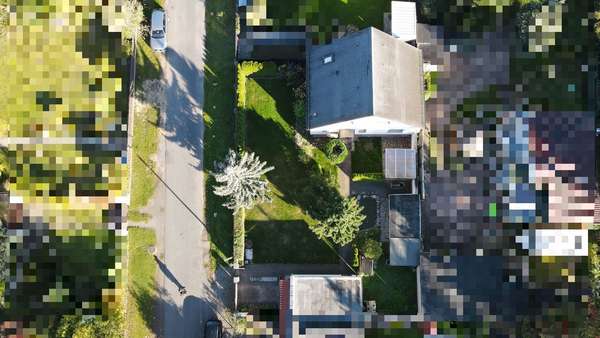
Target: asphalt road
(183, 247)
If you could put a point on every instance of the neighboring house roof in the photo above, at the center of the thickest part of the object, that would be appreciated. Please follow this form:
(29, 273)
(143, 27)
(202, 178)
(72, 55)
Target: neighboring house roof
(325, 295)
(400, 163)
(367, 73)
(404, 20)
(405, 230)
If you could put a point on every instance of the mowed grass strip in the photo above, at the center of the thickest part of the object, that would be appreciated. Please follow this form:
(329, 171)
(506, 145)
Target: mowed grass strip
(145, 144)
(141, 288)
(280, 230)
(146, 125)
(219, 100)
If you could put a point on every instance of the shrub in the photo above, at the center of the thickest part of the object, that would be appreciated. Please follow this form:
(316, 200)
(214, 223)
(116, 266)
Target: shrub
(336, 151)
(239, 234)
(355, 257)
(299, 108)
(133, 15)
(371, 249)
(357, 177)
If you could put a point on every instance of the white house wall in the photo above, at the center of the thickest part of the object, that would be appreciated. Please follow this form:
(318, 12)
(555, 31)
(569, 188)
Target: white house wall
(367, 126)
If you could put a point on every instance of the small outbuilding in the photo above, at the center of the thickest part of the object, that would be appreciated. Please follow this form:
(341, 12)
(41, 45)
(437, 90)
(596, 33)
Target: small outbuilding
(405, 229)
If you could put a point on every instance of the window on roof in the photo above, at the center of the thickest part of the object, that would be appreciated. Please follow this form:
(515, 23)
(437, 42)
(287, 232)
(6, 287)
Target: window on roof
(328, 59)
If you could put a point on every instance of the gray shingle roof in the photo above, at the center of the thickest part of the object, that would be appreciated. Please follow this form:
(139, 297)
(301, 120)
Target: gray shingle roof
(372, 74)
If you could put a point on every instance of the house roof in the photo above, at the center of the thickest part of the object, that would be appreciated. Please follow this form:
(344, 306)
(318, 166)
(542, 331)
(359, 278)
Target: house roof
(405, 216)
(400, 163)
(367, 73)
(405, 251)
(314, 295)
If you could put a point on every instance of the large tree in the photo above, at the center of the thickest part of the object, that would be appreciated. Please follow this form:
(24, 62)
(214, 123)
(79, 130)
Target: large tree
(133, 16)
(240, 179)
(343, 222)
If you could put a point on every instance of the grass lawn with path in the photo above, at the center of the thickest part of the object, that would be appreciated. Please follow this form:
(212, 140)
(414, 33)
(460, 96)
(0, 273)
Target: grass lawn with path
(141, 287)
(280, 230)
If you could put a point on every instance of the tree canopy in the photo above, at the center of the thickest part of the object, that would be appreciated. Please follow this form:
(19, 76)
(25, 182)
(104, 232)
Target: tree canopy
(342, 224)
(240, 179)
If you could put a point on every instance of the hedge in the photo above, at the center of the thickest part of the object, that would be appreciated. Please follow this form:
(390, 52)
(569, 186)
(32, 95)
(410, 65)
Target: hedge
(244, 70)
(239, 237)
(357, 177)
(239, 136)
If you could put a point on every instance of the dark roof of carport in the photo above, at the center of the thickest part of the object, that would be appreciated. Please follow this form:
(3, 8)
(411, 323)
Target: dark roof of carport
(405, 216)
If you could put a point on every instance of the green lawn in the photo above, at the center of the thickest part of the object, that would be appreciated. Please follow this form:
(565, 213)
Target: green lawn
(141, 290)
(393, 288)
(219, 100)
(327, 14)
(367, 156)
(145, 130)
(145, 143)
(301, 180)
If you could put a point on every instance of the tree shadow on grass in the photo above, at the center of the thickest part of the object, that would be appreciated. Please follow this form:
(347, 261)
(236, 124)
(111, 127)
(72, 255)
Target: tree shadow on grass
(303, 180)
(300, 178)
(146, 302)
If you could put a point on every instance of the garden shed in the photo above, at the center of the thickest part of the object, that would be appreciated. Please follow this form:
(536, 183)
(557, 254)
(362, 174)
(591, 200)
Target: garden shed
(404, 229)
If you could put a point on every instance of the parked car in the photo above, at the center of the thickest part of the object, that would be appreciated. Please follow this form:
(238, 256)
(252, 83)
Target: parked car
(213, 329)
(158, 31)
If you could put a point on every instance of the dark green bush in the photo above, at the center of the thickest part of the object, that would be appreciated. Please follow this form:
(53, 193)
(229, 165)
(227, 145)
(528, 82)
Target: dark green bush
(336, 151)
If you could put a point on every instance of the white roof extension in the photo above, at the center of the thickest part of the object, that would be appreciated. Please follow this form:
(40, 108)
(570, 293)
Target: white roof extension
(404, 20)
(400, 163)
(325, 295)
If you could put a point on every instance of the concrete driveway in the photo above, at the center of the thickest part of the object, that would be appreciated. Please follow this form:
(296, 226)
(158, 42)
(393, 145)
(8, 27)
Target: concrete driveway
(178, 205)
